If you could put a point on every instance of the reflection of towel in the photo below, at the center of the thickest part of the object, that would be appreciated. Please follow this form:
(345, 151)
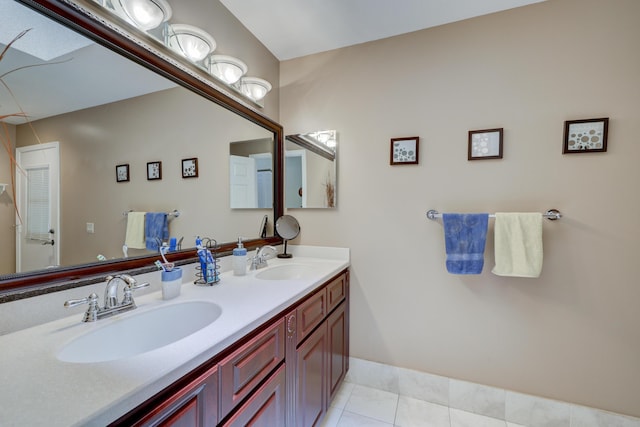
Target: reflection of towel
(465, 236)
(518, 240)
(156, 226)
(134, 237)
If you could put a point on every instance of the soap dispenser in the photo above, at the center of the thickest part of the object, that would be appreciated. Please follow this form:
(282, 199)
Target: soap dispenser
(240, 259)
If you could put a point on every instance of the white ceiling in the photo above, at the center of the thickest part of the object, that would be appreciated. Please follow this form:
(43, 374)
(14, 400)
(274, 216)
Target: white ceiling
(294, 28)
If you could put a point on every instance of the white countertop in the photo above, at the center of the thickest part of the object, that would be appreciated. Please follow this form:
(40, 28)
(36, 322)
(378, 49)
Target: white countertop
(38, 389)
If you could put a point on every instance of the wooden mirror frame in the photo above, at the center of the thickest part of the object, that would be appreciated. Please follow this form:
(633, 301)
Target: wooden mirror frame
(29, 284)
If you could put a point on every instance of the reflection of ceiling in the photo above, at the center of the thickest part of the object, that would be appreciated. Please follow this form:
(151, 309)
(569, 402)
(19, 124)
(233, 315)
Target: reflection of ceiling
(82, 75)
(293, 28)
(46, 40)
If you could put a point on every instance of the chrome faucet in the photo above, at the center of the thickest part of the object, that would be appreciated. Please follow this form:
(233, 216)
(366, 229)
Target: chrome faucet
(260, 259)
(111, 305)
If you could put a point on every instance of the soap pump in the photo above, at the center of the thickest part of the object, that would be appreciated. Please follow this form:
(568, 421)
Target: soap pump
(239, 259)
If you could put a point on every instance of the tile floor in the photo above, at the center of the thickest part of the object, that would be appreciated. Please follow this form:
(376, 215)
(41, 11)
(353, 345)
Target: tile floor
(379, 395)
(361, 406)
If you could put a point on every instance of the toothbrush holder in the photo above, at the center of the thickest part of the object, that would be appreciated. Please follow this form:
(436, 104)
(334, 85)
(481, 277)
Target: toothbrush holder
(171, 283)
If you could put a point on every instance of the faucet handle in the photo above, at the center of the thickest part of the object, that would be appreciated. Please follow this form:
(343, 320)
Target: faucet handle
(128, 291)
(91, 315)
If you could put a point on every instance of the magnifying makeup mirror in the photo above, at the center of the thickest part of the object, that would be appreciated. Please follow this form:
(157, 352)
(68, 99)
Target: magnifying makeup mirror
(288, 228)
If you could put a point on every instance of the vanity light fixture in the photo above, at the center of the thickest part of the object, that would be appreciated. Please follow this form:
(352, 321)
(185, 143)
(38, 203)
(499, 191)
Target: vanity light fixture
(191, 42)
(227, 68)
(144, 14)
(254, 88)
(3, 188)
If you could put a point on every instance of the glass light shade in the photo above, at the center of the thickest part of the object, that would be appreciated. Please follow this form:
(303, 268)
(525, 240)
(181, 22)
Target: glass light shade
(192, 42)
(254, 87)
(144, 14)
(227, 68)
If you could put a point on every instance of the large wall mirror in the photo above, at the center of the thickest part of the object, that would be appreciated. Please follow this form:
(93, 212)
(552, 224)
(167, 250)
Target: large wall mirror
(123, 105)
(310, 169)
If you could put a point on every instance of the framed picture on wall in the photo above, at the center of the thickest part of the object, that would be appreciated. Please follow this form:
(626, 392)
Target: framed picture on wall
(190, 168)
(404, 151)
(585, 136)
(154, 171)
(122, 173)
(485, 144)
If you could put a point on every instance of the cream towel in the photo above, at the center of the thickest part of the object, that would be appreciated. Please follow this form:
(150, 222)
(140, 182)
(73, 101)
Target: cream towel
(134, 237)
(518, 244)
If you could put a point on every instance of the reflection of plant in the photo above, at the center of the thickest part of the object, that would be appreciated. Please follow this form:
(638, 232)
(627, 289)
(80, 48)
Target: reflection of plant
(330, 191)
(5, 136)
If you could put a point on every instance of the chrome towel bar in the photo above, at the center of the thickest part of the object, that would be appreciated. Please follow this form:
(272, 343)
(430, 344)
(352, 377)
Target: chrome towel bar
(551, 214)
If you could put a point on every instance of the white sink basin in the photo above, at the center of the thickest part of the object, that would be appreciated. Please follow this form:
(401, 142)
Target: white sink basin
(285, 272)
(140, 333)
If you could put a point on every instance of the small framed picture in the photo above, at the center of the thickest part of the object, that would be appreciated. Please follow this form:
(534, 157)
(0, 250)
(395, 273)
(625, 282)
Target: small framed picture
(585, 136)
(485, 144)
(404, 151)
(154, 171)
(190, 168)
(122, 173)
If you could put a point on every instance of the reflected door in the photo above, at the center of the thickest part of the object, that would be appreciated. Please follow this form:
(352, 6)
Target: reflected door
(243, 181)
(38, 201)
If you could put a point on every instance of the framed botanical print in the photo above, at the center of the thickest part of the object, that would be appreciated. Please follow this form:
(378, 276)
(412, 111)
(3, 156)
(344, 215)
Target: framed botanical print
(154, 171)
(404, 151)
(122, 173)
(190, 168)
(485, 144)
(585, 136)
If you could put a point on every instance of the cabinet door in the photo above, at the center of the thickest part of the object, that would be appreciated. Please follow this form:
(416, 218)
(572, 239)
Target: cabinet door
(311, 375)
(195, 405)
(266, 407)
(337, 355)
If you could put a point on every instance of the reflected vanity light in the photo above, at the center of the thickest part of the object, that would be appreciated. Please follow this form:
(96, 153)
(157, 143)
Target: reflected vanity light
(227, 68)
(191, 42)
(144, 14)
(326, 137)
(254, 87)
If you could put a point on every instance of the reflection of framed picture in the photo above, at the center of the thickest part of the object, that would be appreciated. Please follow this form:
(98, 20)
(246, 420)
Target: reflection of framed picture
(190, 168)
(122, 173)
(154, 170)
(585, 136)
(404, 151)
(485, 144)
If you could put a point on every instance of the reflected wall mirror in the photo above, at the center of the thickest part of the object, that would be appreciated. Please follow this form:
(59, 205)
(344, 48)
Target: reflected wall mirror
(310, 170)
(166, 110)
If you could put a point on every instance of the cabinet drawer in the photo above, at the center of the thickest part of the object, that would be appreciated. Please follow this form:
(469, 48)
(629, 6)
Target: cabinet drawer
(310, 313)
(194, 405)
(336, 291)
(266, 408)
(241, 372)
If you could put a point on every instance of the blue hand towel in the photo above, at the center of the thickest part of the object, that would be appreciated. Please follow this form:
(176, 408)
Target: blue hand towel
(465, 236)
(156, 225)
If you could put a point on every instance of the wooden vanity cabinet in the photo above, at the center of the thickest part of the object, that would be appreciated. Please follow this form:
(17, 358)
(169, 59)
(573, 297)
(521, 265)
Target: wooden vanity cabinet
(285, 373)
